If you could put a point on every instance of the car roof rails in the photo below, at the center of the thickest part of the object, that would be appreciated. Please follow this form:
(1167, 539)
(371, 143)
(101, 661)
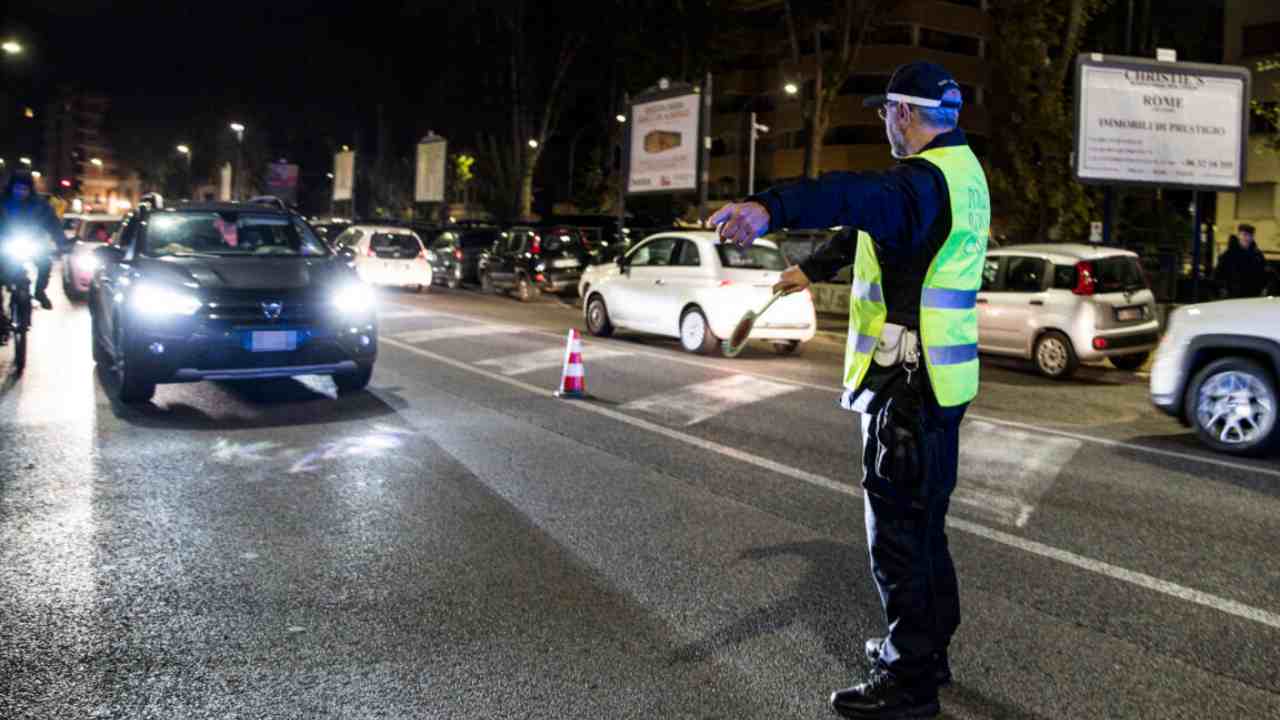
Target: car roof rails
(269, 201)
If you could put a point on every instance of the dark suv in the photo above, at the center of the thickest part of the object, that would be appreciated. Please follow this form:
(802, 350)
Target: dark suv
(222, 291)
(532, 261)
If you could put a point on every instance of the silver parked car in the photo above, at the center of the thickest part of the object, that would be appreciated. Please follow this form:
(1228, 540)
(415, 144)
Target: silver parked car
(1059, 305)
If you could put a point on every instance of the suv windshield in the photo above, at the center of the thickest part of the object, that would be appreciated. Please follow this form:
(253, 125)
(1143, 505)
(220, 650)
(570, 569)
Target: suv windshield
(229, 234)
(1117, 274)
(757, 257)
(444, 241)
(561, 239)
(100, 231)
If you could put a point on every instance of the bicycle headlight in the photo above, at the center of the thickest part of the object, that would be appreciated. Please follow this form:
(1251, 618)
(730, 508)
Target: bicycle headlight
(22, 248)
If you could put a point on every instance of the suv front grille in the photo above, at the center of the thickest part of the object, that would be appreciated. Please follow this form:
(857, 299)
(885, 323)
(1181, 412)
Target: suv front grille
(257, 311)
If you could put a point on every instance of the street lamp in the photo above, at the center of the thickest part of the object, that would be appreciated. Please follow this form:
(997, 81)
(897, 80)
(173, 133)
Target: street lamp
(25, 161)
(620, 118)
(12, 47)
(238, 129)
(756, 128)
(791, 88)
(185, 150)
(533, 144)
(97, 162)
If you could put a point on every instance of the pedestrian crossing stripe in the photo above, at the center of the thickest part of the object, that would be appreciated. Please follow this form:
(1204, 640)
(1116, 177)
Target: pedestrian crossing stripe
(456, 331)
(692, 404)
(541, 360)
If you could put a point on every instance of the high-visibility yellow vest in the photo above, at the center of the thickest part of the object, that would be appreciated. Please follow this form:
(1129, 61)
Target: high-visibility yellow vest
(948, 300)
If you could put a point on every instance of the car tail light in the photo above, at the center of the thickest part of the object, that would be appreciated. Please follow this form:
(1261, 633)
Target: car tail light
(726, 283)
(1085, 283)
(536, 249)
(1099, 343)
(370, 252)
(457, 254)
(540, 277)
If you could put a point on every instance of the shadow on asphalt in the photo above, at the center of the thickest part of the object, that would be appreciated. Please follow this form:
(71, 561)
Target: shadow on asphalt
(1022, 374)
(1190, 444)
(828, 601)
(253, 404)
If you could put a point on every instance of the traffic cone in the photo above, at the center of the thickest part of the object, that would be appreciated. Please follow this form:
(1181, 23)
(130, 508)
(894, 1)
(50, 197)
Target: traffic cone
(573, 376)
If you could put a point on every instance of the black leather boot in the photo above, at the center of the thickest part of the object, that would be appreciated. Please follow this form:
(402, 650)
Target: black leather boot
(883, 697)
(941, 673)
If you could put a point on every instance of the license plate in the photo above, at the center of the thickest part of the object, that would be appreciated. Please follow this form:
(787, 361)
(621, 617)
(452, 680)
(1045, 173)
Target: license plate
(566, 263)
(1129, 313)
(273, 341)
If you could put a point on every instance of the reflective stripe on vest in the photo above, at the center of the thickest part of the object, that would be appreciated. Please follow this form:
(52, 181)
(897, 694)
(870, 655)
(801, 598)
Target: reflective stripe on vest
(948, 298)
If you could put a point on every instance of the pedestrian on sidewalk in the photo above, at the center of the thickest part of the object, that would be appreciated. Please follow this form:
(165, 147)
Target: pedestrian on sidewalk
(911, 365)
(1242, 269)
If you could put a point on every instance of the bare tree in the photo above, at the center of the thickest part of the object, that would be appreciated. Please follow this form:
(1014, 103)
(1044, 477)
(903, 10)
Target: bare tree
(830, 69)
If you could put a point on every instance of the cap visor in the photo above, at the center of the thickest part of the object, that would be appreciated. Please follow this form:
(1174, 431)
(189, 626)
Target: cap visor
(874, 101)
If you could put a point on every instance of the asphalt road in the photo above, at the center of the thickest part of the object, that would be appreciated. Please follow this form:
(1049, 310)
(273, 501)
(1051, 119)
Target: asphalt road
(458, 543)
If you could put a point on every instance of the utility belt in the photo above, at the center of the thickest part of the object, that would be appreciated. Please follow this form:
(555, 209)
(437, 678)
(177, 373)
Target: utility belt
(898, 347)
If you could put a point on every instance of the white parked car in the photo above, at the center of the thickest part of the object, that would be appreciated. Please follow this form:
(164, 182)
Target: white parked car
(79, 262)
(1059, 305)
(1216, 370)
(688, 285)
(388, 255)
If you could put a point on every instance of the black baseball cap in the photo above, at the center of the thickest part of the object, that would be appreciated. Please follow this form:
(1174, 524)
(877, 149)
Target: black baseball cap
(923, 84)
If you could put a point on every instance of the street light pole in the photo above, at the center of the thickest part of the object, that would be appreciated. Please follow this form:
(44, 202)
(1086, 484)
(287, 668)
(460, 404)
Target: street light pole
(238, 129)
(185, 150)
(751, 155)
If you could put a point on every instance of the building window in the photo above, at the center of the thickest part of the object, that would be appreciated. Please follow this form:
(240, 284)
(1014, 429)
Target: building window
(1260, 39)
(864, 84)
(855, 135)
(1256, 200)
(896, 34)
(950, 42)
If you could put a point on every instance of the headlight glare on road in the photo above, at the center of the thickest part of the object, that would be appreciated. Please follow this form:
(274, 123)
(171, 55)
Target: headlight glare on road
(22, 248)
(157, 300)
(355, 298)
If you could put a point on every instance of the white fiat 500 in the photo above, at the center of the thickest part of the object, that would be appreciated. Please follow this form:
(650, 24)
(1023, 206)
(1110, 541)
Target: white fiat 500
(388, 255)
(688, 285)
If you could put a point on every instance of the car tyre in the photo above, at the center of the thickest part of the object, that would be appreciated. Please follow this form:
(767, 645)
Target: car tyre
(1129, 362)
(100, 354)
(786, 347)
(486, 282)
(350, 383)
(1223, 385)
(1054, 357)
(695, 333)
(597, 316)
(135, 388)
(455, 278)
(525, 290)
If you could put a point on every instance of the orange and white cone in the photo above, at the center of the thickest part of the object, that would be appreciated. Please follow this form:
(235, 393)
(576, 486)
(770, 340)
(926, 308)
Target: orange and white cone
(573, 376)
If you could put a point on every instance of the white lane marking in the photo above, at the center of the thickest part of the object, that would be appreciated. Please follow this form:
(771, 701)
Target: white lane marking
(405, 314)
(633, 349)
(456, 331)
(542, 359)
(1164, 587)
(692, 404)
(1007, 471)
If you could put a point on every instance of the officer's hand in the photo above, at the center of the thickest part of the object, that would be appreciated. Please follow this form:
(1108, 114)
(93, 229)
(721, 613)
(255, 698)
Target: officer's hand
(792, 280)
(741, 223)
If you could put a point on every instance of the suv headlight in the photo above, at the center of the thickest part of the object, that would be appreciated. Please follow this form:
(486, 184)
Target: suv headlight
(355, 298)
(158, 300)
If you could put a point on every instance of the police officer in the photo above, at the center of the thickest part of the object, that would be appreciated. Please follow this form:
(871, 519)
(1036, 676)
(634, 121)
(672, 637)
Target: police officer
(22, 207)
(918, 247)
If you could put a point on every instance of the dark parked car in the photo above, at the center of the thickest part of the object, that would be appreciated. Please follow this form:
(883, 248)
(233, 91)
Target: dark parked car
(446, 243)
(222, 291)
(475, 243)
(532, 261)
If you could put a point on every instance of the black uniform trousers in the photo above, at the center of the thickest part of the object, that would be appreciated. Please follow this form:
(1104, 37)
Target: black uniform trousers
(911, 449)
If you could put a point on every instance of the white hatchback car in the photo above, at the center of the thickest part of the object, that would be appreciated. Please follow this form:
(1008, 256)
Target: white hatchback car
(388, 255)
(79, 263)
(1059, 305)
(688, 285)
(1217, 371)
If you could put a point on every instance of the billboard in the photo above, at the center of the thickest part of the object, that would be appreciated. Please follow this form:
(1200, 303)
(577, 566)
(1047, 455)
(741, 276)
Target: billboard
(282, 181)
(428, 183)
(1162, 124)
(664, 149)
(344, 174)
